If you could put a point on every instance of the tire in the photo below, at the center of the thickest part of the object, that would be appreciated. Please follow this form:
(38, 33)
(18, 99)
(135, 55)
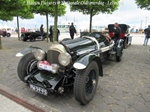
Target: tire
(3, 35)
(125, 43)
(23, 37)
(86, 83)
(32, 38)
(118, 58)
(8, 34)
(27, 64)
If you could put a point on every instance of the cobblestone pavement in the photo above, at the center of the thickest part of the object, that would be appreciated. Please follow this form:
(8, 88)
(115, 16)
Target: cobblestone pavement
(125, 86)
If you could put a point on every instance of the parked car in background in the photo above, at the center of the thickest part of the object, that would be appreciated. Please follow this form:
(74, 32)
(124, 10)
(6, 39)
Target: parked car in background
(124, 33)
(69, 64)
(5, 32)
(32, 36)
(23, 30)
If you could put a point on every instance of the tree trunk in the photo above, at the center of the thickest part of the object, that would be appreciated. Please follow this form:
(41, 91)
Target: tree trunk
(18, 28)
(55, 21)
(91, 14)
(47, 25)
(0, 42)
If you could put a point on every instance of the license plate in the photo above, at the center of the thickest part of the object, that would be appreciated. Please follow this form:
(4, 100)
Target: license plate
(45, 65)
(38, 89)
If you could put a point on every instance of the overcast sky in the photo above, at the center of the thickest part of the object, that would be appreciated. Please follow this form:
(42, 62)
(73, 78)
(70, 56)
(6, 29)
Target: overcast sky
(127, 13)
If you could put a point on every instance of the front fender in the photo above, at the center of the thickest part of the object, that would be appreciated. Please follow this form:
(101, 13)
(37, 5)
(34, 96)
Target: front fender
(26, 51)
(83, 62)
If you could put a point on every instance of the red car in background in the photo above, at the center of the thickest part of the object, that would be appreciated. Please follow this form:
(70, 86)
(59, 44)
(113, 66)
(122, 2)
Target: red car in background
(23, 30)
(5, 32)
(124, 33)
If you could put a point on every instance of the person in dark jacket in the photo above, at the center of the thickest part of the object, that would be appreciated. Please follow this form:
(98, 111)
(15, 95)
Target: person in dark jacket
(58, 33)
(147, 35)
(51, 34)
(42, 30)
(117, 32)
(72, 31)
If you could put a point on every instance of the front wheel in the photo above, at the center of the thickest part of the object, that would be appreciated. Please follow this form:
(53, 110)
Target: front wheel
(26, 65)
(3, 35)
(86, 83)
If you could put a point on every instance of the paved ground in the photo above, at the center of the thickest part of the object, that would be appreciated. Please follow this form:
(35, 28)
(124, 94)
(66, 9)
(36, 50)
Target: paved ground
(125, 86)
(13, 106)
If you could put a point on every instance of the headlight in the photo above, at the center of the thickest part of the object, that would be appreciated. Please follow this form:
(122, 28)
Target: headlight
(39, 54)
(64, 59)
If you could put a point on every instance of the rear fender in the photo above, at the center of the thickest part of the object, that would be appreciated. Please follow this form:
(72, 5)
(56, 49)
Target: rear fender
(119, 47)
(26, 51)
(120, 43)
(83, 62)
(129, 39)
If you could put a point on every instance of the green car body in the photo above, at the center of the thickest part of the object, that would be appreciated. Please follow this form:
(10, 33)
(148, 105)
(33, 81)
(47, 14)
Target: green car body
(71, 63)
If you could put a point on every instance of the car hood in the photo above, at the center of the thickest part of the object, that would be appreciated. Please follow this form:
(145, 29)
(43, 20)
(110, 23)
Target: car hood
(80, 45)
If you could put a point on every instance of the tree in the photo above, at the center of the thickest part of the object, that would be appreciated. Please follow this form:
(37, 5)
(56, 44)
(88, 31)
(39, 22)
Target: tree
(52, 8)
(3, 14)
(143, 4)
(22, 10)
(4, 17)
(94, 7)
(16, 8)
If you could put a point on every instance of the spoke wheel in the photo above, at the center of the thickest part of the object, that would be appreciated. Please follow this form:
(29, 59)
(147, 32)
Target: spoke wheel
(86, 83)
(27, 64)
(90, 83)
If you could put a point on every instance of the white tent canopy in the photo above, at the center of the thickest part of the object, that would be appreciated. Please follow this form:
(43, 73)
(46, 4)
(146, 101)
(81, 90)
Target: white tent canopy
(5, 27)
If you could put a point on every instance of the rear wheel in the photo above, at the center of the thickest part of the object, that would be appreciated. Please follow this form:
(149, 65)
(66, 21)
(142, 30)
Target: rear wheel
(86, 83)
(8, 34)
(118, 58)
(27, 64)
(125, 43)
(23, 37)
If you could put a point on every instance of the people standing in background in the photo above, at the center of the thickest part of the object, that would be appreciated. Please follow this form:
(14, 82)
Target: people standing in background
(58, 33)
(72, 31)
(147, 35)
(51, 34)
(42, 30)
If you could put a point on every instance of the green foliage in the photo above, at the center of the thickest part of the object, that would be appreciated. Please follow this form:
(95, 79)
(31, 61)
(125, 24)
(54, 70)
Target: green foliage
(94, 7)
(5, 17)
(48, 7)
(4, 10)
(16, 8)
(143, 4)
(98, 6)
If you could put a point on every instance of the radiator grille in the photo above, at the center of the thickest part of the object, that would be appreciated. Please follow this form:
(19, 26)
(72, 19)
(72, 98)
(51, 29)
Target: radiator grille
(52, 58)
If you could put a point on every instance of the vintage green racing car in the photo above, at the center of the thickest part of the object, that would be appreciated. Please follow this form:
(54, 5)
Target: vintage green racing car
(68, 64)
